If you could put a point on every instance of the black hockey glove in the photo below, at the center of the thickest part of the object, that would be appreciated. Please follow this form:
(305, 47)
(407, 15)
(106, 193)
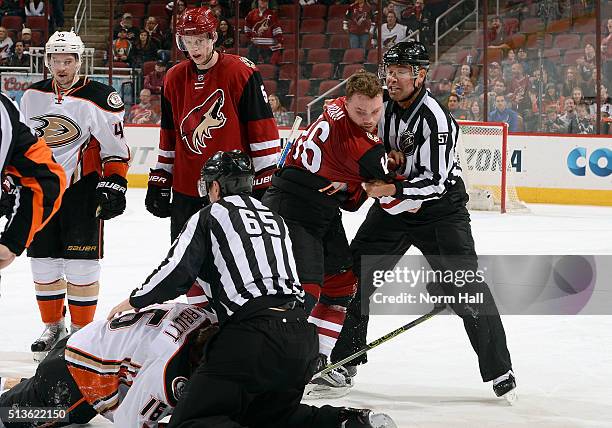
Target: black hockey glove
(157, 200)
(110, 195)
(7, 201)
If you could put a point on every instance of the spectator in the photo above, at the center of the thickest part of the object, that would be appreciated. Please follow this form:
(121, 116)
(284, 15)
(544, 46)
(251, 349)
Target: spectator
(442, 89)
(180, 8)
(532, 116)
(154, 80)
(144, 112)
(152, 27)
(581, 123)
(6, 45)
(497, 36)
(519, 79)
(225, 36)
(398, 6)
(11, 8)
(465, 72)
(524, 61)
(33, 9)
(121, 46)
(495, 74)
(520, 102)
(419, 18)
(553, 124)
(57, 15)
(551, 97)
(474, 110)
(453, 107)
(264, 33)
(577, 95)
(506, 65)
(281, 115)
(217, 9)
(569, 109)
(572, 80)
(586, 64)
(391, 32)
(19, 58)
(503, 114)
(26, 38)
(499, 88)
(144, 49)
(608, 33)
(127, 25)
(359, 23)
(606, 106)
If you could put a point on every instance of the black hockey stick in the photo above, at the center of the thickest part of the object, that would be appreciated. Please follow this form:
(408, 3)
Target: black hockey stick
(436, 310)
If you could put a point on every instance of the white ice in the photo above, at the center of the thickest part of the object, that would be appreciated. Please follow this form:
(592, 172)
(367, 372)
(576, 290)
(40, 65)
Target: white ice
(427, 377)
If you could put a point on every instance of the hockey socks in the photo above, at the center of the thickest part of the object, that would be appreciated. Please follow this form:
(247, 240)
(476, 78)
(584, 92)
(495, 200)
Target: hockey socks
(82, 303)
(50, 299)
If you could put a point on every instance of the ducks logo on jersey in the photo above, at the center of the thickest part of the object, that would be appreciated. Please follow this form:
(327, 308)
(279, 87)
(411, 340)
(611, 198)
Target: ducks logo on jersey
(201, 120)
(57, 130)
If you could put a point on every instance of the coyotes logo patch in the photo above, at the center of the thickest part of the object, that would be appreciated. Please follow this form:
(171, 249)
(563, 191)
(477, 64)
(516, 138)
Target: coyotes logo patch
(57, 130)
(201, 120)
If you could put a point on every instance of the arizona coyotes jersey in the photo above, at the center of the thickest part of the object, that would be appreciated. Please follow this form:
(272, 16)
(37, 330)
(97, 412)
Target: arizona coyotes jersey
(263, 28)
(83, 126)
(222, 108)
(132, 369)
(335, 148)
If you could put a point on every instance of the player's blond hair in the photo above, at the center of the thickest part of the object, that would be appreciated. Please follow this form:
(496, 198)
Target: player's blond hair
(364, 83)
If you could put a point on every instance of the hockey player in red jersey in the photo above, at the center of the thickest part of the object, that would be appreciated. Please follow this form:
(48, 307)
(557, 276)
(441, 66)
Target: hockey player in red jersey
(131, 370)
(323, 172)
(82, 122)
(211, 102)
(262, 28)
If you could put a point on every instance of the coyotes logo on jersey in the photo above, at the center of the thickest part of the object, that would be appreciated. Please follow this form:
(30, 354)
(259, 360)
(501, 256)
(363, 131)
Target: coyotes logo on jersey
(57, 130)
(201, 120)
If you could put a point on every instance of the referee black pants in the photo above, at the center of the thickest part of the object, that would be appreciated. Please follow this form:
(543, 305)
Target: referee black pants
(437, 230)
(253, 375)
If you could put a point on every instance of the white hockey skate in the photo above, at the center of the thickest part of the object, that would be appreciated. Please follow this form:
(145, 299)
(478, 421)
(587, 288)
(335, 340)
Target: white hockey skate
(53, 333)
(505, 387)
(365, 418)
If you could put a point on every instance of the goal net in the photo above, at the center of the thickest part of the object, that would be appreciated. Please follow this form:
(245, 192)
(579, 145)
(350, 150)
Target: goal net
(483, 156)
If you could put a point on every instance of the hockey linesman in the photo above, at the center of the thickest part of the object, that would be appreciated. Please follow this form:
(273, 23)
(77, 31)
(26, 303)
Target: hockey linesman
(427, 209)
(323, 172)
(33, 177)
(131, 370)
(212, 101)
(255, 368)
(82, 122)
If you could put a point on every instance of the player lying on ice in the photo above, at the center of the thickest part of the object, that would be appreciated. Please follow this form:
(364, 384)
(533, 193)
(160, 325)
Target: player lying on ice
(131, 370)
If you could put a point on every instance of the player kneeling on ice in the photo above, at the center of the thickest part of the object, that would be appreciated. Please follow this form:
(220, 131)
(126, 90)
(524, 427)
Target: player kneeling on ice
(131, 370)
(255, 369)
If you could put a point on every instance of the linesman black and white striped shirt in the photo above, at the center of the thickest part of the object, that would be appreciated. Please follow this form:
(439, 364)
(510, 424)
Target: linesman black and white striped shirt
(427, 134)
(240, 253)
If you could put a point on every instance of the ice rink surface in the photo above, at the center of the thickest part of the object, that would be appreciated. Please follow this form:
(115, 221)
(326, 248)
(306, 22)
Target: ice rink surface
(427, 377)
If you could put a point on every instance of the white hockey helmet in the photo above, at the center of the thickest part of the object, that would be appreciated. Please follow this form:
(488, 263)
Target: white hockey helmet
(64, 42)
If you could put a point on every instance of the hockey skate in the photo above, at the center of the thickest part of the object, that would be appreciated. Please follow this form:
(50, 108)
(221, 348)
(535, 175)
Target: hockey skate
(53, 333)
(364, 418)
(333, 384)
(505, 387)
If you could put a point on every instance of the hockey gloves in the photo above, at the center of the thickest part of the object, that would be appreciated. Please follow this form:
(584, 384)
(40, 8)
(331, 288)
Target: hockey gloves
(157, 201)
(110, 196)
(7, 201)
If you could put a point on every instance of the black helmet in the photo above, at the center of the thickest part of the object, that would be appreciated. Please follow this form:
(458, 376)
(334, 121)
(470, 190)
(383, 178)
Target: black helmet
(410, 52)
(233, 170)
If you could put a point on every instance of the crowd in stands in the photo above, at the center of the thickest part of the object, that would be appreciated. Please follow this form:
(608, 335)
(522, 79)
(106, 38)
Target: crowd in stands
(541, 55)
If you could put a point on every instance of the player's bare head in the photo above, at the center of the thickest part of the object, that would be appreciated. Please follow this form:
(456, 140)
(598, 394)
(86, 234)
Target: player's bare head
(63, 53)
(196, 341)
(364, 100)
(196, 33)
(405, 67)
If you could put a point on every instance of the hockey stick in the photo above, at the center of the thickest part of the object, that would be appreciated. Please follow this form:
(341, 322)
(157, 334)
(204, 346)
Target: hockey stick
(292, 136)
(436, 310)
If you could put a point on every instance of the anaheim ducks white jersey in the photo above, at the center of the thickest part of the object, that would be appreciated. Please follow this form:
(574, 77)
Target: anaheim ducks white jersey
(83, 126)
(133, 369)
